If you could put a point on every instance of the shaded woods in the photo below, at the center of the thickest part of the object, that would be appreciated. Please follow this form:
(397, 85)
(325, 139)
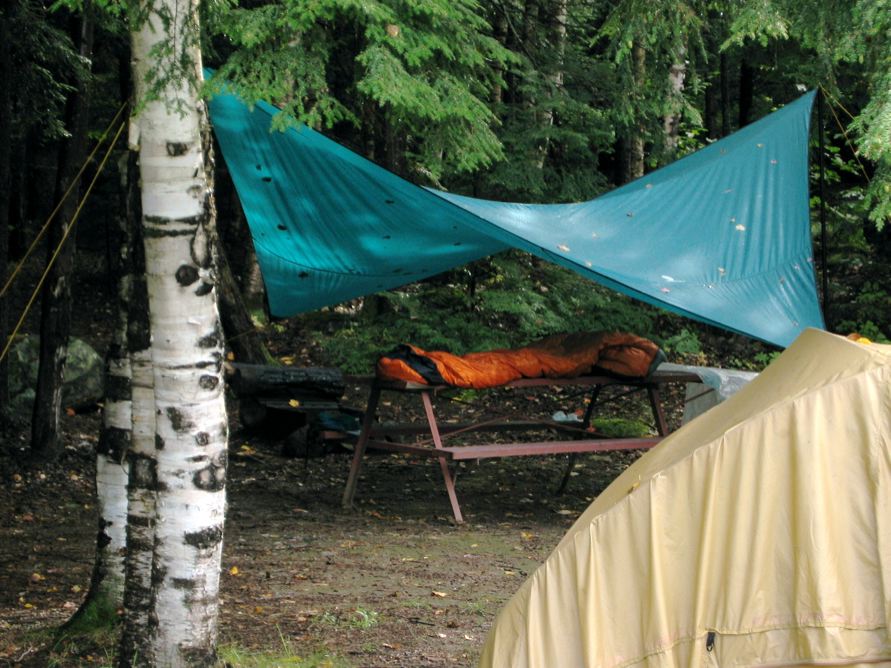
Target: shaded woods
(514, 100)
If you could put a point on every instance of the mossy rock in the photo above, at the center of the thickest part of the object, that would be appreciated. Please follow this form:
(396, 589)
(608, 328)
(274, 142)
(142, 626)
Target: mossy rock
(83, 378)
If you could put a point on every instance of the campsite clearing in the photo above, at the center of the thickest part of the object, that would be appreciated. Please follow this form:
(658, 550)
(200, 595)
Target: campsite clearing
(392, 583)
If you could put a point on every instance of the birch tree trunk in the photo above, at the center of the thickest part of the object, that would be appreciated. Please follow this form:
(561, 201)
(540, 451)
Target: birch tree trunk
(187, 465)
(113, 452)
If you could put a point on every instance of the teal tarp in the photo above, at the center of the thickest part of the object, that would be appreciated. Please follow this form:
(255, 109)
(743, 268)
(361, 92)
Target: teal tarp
(721, 236)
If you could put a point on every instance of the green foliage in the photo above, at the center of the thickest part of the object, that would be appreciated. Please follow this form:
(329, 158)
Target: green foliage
(232, 655)
(425, 67)
(89, 638)
(506, 301)
(684, 342)
(620, 428)
(47, 68)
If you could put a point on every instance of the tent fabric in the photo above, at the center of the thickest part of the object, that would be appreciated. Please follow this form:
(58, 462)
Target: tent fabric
(722, 235)
(556, 356)
(758, 534)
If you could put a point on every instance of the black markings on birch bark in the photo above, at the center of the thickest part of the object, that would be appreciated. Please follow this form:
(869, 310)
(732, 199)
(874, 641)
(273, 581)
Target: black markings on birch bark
(208, 382)
(143, 472)
(180, 423)
(114, 443)
(159, 442)
(212, 478)
(117, 388)
(156, 233)
(216, 363)
(202, 438)
(206, 538)
(212, 340)
(203, 289)
(186, 275)
(175, 149)
(162, 220)
(159, 572)
(103, 540)
(139, 521)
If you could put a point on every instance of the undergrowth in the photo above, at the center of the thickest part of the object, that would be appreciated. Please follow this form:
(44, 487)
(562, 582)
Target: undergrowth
(505, 301)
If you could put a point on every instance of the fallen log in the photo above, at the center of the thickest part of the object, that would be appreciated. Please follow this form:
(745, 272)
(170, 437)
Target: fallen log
(285, 383)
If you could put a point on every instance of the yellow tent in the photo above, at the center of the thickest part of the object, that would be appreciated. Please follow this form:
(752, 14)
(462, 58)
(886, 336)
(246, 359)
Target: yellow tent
(757, 535)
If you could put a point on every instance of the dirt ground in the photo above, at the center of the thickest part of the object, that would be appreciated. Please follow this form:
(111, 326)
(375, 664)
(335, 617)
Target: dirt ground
(391, 583)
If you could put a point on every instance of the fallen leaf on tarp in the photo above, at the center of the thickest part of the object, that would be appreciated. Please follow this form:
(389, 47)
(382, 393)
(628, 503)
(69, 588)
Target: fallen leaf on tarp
(70, 412)
(442, 635)
(293, 403)
(37, 577)
(233, 570)
(527, 535)
(439, 594)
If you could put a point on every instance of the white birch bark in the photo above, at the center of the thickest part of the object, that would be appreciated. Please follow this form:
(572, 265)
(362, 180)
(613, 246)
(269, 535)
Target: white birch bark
(112, 464)
(111, 482)
(189, 456)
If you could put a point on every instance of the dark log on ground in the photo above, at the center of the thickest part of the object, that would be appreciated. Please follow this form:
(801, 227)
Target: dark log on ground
(303, 385)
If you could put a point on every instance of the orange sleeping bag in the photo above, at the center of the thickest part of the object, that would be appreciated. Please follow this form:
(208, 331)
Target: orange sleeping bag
(558, 356)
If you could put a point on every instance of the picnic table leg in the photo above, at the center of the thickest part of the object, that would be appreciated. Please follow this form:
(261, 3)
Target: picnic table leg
(586, 422)
(658, 413)
(443, 462)
(367, 424)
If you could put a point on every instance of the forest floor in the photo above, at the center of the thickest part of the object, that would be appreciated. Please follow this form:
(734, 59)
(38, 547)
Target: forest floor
(393, 582)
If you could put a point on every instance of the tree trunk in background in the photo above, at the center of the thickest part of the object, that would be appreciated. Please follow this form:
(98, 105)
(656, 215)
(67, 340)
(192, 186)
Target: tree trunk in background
(557, 39)
(499, 28)
(55, 315)
(672, 120)
(242, 338)
(746, 92)
(235, 235)
(5, 187)
(188, 464)
(725, 96)
(18, 196)
(636, 138)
